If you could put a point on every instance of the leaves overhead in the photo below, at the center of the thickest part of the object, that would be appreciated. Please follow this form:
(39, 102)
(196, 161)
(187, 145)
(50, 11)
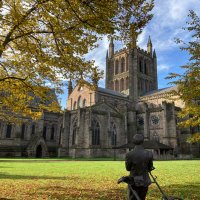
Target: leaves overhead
(189, 82)
(43, 42)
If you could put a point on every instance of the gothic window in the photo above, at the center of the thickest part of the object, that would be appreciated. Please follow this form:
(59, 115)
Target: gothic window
(74, 107)
(155, 120)
(140, 66)
(156, 137)
(140, 121)
(95, 133)
(44, 132)
(84, 103)
(116, 85)
(121, 84)
(145, 67)
(8, 131)
(52, 132)
(33, 129)
(116, 67)
(127, 83)
(23, 131)
(122, 65)
(113, 134)
(79, 104)
(146, 85)
(74, 131)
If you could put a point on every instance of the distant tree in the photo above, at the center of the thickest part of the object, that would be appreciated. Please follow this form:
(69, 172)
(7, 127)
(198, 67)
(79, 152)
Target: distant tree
(189, 82)
(43, 42)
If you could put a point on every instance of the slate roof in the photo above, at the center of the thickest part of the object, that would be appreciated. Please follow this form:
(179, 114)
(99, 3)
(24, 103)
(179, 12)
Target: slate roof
(147, 145)
(112, 92)
(160, 91)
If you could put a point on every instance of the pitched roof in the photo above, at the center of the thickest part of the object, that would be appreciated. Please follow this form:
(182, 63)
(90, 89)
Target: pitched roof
(160, 91)
(112, 92)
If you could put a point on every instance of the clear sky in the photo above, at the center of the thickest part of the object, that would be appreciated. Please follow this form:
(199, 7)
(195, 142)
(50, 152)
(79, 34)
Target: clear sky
(170, 16)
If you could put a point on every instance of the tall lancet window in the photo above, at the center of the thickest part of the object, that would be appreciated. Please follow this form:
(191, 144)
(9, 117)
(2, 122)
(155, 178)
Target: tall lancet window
(95, 132)
(122, 65)
(113, 134)
(79, 104)
(121, 84)
(84, 103)
(8, 131)
(116, 67)
(116, 85)
(23, 128)
(127, 83)
(74, 133)
(74, 107)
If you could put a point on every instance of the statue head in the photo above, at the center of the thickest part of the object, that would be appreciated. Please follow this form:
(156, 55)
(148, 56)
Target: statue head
(138, 139)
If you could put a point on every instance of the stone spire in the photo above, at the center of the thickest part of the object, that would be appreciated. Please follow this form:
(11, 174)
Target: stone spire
(154, 54)
(149, 46)
(111, 48)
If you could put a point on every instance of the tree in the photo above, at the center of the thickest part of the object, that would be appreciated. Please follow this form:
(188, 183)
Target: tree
(189, 82)
(43, 42)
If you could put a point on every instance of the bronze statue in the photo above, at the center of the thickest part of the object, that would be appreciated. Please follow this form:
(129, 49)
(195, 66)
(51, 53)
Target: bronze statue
(139, 162)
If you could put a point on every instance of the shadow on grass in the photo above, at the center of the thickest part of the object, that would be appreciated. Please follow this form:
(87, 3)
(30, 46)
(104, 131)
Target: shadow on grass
(6, 199)
(184, 191)
(70, 192)
(16, 177)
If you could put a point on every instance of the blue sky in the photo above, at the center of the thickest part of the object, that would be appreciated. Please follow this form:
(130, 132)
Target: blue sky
(170, 16)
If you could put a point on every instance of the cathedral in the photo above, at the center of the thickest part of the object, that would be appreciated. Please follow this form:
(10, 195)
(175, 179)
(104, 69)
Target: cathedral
(102, 122)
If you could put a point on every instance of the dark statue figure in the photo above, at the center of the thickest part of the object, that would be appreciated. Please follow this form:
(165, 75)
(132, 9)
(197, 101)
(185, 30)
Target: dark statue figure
(139, 162)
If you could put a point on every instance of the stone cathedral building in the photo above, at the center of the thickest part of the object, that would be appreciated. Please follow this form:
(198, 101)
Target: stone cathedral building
(102, 122)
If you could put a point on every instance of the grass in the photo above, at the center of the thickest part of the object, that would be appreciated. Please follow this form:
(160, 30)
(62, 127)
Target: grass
(66, 179)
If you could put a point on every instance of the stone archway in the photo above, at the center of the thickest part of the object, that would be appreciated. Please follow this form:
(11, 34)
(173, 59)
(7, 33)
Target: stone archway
(39, 153)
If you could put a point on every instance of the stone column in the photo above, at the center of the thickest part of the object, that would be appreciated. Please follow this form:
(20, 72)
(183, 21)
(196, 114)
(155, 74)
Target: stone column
(146, 123)
(131, 119)
(64, 135)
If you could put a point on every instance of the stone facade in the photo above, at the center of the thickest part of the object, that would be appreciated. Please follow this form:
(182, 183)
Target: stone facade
(131, 103)
(33, 138)
(96, 122)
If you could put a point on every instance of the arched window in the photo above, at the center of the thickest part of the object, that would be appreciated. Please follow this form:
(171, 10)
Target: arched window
(122, 65)
(127, 83)
(74, 131)
(33, 129)
(156, 137)
(145, 67)
(140, 66)
(23, 131)
(116, 67)
(84, 103)
(146, 85)
(8, 131)
(121, 84)
(113, 134)
(74, 107)
(44, 132)
(116, 85)
(79, 104)
(95, 133)
(52, 132)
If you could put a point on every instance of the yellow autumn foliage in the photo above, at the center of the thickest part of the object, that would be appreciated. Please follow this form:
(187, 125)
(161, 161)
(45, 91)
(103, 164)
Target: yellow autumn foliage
(42, 42)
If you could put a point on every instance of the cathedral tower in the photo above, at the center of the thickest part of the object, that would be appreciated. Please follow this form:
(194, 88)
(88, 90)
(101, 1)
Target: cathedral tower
(131, 71)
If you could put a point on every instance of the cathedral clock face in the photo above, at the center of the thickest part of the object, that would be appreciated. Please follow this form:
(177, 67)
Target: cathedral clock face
(155, 120)
(140, 121)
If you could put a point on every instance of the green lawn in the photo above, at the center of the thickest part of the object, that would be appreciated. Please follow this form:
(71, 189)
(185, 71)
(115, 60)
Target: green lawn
(64, 179)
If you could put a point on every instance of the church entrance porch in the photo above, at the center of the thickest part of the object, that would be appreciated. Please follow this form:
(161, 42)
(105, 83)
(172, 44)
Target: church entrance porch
(39, 151)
